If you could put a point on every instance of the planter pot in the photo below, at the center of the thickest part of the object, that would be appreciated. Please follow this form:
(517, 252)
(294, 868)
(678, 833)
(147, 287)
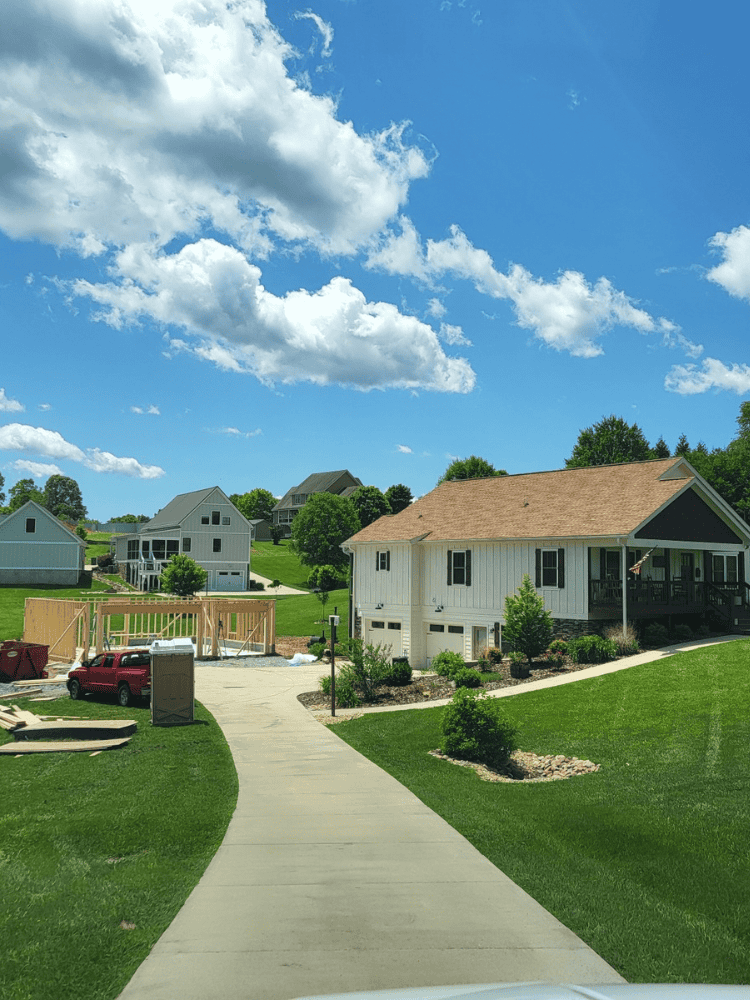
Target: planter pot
(520, 671)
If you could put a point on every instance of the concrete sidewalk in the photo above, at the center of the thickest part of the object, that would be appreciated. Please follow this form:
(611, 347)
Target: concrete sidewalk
(334, 877)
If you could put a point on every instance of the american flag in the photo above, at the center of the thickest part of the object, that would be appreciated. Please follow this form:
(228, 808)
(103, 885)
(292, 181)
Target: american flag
(637, 568)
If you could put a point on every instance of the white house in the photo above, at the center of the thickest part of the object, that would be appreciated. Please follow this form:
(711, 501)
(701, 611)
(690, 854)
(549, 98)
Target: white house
(204, 525)
(602, 544)
(36, 548)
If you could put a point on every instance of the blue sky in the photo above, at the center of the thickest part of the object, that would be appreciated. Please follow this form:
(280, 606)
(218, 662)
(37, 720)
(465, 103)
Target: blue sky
(243, 243)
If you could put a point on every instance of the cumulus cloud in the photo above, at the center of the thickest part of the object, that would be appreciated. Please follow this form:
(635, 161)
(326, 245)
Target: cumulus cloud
(128, 120)
(9, 405)
(39, 470)
(40, 441)
(333, 335)
(689, 380)
(733, 274)
(404, 449)
(152, 410)
(569, 314)
(436, 308)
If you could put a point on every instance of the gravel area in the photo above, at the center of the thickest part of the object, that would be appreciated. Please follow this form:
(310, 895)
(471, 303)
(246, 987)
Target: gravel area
(528, 767)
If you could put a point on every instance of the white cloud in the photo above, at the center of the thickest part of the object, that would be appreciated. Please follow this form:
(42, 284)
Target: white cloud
(323, 27)
(129, 120)
(39, 470)
(40, 441)
(9, 405)
(568, 314)
(45, 406)
(136, 409)
(733, 274)
(453, 335)
(688, 380)
(404, 449)
(436, 308)
(236, 432)
(105, 461)
(152, 410)
(330, 336)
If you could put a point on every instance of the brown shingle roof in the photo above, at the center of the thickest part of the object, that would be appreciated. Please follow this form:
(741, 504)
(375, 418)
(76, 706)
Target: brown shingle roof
(598, 501)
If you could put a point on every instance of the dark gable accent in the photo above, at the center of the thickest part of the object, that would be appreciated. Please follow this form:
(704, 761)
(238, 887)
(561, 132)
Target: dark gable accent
(688, 519)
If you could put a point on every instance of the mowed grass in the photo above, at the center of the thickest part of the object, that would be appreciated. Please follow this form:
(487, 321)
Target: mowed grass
(303, 614)
(278, 562)
(90, 842)
(13, 599)
(647, 860)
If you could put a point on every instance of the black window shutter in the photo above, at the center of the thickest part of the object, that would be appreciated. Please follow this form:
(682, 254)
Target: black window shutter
(377, 561)
(468, 567)
(708, 566)
(602, 564)
(450, 567)
(538, 567)
(741, 567)
(561, 567)
(388, 560)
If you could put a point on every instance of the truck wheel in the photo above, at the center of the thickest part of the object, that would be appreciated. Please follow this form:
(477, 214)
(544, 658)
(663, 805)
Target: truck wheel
(124, 696)
(76, 691)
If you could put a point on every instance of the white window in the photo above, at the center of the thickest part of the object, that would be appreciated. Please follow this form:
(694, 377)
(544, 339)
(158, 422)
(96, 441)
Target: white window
(550, 567)
(459, 567)
(383, 560)
(724, 569)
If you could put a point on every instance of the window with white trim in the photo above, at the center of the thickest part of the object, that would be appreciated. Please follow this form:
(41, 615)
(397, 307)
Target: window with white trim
(459, 567)
(383, 560)
(550, 568)
(724, 569)
(186, 543)
(217, 545)
(225, 519)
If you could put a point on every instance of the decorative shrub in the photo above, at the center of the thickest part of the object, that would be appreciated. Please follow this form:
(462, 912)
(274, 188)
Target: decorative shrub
(476, 728)
(467, 678)
(494, 655)
(559, 646)
(703, 632)
(447, 664)
(367, 670)
(519, 665)
(682, 633)
(324, 578)
(656, 635)
(550, 659)
(528, 626)
(399, 673)
(346, 696)
(104, 561)
(317, 649)
(626, 639)
(592, 649)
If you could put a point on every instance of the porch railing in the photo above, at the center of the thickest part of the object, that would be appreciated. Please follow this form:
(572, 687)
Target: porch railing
(650, 593)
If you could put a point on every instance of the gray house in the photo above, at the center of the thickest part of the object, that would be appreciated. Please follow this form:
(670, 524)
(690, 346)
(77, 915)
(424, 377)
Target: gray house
(36, 548)
(342, 483)
(204, 525)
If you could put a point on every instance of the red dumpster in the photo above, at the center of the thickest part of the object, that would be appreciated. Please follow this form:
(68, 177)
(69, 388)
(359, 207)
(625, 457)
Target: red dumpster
(22, 661)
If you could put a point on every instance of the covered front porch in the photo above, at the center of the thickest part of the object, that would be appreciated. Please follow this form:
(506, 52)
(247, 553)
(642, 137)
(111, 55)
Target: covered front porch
(630, 583)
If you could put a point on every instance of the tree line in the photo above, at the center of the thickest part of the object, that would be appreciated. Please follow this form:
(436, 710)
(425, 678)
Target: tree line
(61, 496)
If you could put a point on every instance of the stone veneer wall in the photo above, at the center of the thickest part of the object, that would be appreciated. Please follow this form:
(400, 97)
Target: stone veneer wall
(574, 628)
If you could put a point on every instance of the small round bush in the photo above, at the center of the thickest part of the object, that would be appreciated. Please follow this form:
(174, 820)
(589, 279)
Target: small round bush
(494, 655)
(317, 649)
(467, 678)
(656, 635)
(559, 647)
(446, 664)
(476, 728)
(399, 674)
(683, 633)
(703, 632)
(592, 649)
(346, 696)
(325, 684)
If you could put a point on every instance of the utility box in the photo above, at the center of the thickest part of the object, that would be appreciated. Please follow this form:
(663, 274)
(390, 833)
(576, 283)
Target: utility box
(172, 682)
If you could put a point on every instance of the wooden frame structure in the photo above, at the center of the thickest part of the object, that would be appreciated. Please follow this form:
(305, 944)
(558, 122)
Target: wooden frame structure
(87, 627)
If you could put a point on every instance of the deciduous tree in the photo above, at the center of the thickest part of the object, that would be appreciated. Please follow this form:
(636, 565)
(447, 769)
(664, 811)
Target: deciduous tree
(62, 497)
(472, 467)
(610, 442)
(321, 526)
(255, 505)
(23, 491)
(370, 504)
(399, 497)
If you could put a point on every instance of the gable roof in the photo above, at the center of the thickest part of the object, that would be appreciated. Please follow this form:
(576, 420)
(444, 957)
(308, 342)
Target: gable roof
(598, 501)
(319, 482)
(32, 509)
(183, 504)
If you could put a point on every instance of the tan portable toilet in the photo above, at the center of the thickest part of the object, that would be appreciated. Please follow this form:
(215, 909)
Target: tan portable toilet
(172, 682)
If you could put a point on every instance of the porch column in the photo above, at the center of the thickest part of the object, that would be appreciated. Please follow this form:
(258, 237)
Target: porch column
(624, 589)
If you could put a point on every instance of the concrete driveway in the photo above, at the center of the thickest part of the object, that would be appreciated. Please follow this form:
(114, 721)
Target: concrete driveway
(334, 877)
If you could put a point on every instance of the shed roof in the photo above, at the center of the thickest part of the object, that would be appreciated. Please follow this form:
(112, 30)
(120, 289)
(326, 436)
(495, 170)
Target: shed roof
(568, 503)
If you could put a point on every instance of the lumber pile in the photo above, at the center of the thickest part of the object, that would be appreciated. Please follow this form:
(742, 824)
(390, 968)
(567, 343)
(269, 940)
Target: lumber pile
(91, 734)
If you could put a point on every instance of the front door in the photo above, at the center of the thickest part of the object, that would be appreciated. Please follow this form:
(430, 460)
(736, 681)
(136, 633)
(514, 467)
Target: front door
(478, 641)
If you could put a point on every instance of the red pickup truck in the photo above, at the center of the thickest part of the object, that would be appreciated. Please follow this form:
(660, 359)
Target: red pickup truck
(125, 673)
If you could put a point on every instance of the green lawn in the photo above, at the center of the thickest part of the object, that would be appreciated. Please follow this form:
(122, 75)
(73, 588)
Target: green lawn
(12, 601)
(302, 615)
(646, 860)
(278, 562)
(89, 842)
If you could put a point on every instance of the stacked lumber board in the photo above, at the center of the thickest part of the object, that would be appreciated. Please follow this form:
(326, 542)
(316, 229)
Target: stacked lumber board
(34, 732)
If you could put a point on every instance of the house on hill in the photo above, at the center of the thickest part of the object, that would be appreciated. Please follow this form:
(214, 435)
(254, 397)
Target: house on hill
(36, 548)
(204, 525)
(646, 540)
(342, 483)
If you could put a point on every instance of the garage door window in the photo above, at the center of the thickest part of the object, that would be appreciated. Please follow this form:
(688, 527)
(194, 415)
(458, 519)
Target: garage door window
(437, 628)
(377, 624)
(456, 629)
(395, 625)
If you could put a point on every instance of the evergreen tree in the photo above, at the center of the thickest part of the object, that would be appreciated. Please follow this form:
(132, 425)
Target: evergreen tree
(682, 447)
(661, 449)
(528, 626)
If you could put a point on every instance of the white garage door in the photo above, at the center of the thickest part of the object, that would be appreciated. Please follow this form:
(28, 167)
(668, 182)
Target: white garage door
(229, 581)
(378, 631)
(440, 637)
